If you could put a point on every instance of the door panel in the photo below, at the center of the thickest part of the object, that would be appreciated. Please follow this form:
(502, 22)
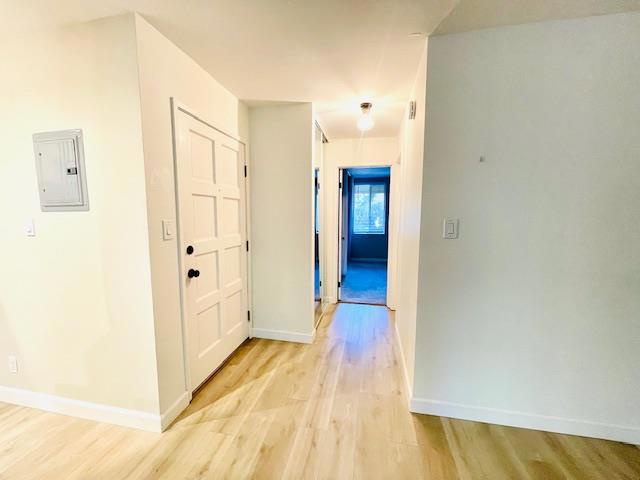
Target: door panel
(228, 163)
(212, 219)
(231, 220)
(209, 328)
(232, 265)
(204, 209)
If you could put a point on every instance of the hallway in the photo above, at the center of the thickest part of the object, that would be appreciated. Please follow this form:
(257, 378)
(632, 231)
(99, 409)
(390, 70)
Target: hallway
(335, 409)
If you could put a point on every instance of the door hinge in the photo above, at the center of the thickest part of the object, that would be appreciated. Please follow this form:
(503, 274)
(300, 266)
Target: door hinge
(320, 283)
(339, 184)
(247, 245)
(245, 171)
(248, 316)
(339, 284)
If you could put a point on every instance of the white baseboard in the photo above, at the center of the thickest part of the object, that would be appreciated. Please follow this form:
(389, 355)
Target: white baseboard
(583, 428)
(283, 335)
(174, 410)
(78, 408)
(403, 360)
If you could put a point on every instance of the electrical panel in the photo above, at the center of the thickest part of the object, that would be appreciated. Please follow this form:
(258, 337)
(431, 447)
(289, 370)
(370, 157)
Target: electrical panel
(62, 181)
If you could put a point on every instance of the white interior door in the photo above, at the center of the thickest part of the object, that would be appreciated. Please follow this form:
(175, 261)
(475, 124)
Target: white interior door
(212, 226)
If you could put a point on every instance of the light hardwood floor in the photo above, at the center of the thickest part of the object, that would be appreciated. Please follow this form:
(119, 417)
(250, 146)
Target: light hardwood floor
(335, 409)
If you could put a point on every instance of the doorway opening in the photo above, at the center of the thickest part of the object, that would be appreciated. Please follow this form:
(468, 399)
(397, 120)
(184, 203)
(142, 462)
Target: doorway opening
(363, 235)
(317, 283)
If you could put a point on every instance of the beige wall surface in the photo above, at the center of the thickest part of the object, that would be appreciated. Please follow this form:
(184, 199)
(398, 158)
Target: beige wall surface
(412, 155)
(282, 218)
(166, 72)
(75, 300)
(536, 307)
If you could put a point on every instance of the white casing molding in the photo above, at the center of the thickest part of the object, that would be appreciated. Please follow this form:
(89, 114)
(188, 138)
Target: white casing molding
(284, 336)
(583, 428)
(77, 408)
(174, 410)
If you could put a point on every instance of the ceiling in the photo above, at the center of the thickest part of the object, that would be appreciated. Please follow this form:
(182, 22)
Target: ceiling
(335, 53)
(477, 14)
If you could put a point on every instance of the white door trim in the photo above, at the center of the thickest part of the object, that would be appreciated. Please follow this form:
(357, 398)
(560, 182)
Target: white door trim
(176, 108)
(340, 231)
(333, 198)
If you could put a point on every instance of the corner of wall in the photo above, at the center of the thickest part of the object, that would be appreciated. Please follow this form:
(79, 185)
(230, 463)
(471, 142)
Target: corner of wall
(110, 322)
(282, 225)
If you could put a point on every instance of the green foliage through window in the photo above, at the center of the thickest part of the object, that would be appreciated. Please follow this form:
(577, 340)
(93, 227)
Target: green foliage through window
(369, 208)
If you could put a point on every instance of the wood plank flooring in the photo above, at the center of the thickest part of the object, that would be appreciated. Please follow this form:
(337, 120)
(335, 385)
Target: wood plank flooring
(333, 410)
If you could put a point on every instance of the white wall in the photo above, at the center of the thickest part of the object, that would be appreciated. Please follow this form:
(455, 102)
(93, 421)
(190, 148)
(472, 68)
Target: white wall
(412, 156)
(532, 316)
(92, 307)
(75, 301)
(165, 71)
(281, 173)
(364, 152)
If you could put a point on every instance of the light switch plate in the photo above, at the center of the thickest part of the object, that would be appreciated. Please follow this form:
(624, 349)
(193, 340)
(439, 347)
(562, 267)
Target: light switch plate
(30, 228)
(450, 228)
(168, 230)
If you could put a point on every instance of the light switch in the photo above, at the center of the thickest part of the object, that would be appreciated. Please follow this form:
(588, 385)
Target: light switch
(168, 230)
(30, 228)
(450, 228)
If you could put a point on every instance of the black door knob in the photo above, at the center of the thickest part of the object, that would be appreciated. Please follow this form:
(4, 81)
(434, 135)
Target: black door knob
(189, 250)
(193, 273)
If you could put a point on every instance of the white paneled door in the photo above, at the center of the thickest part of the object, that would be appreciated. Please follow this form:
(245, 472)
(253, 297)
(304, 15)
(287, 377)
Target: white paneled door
(212, 218)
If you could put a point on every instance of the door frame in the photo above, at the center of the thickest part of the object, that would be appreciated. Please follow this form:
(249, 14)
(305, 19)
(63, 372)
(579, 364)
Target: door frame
(395, 209)
(176, 108)
(343, 217)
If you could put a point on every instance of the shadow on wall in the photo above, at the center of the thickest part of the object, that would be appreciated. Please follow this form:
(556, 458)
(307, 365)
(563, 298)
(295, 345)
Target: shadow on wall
(95, 362)
(9, 345)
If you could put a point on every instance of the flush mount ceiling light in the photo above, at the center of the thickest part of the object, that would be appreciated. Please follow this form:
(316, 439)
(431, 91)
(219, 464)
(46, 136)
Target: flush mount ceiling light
(365, 122)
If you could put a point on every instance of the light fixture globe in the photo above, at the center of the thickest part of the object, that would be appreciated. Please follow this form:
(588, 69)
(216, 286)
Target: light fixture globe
(365, 122)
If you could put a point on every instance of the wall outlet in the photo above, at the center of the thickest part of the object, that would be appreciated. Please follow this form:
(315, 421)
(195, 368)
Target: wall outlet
(12, 363)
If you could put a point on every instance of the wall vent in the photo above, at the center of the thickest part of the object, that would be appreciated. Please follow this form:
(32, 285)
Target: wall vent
(412, 109)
